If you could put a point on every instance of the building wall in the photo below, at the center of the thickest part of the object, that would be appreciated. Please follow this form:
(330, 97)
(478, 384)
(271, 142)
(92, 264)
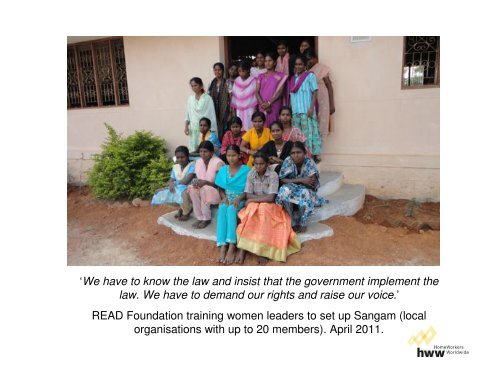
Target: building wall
(384, 137)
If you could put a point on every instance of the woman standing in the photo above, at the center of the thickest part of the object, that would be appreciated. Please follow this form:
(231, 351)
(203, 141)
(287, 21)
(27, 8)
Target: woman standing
(325, 92)
(299, 177)
(243, 100)
(220, 93)
(269, 89)
(303, 89)
(199, 105)
(259, 65)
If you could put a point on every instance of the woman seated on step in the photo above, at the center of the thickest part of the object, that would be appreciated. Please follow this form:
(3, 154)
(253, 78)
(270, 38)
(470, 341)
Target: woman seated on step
(203, 192)
(265, 227)
(278, 149)
(181, 176)
(231, 180)
(206, 134)
(299, 177)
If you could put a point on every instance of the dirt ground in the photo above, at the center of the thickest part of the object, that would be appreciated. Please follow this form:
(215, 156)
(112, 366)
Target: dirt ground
(384, 232)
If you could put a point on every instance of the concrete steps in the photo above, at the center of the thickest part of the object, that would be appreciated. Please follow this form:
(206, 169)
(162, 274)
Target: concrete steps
(345, 200)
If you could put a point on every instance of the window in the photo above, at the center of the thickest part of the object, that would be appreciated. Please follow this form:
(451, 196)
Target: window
(97, 74)
(420, 61)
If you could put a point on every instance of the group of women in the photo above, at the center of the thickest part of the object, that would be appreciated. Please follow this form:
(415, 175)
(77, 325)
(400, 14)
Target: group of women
(258, 142)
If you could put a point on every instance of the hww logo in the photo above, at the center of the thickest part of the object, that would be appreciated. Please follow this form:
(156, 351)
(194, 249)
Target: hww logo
(430, 353)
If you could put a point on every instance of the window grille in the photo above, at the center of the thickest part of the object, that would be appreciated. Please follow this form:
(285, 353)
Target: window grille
(97, 74)
(420, 61)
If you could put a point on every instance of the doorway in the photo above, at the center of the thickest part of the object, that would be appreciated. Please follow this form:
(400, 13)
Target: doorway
(237, 48)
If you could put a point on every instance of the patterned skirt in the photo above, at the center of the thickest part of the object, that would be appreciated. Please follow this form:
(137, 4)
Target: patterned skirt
(309, 127)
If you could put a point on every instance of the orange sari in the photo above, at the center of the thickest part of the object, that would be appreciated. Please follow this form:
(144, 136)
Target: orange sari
(266, 230)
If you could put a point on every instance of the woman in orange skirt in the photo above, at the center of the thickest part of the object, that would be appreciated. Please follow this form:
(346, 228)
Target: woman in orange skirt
(265, 228)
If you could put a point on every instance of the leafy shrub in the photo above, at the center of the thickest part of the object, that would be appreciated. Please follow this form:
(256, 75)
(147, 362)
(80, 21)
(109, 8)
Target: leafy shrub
(130, 167)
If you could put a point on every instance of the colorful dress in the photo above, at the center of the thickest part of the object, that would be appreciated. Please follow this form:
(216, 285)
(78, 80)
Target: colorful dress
(227, 215)
(265, 228)
(166, 196)
(255, 142)
(221, 98)
(321, 71)
(207, 195)
(304, 197)
(301, 89)
(195, 110)
(255, 72)
(270, 84)
(230, 139)
(243, 100)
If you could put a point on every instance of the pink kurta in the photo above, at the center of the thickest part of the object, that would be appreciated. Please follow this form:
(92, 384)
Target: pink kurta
(205, 196)
(321, 71)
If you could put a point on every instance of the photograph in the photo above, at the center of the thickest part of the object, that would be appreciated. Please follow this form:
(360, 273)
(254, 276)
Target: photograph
(253, 150)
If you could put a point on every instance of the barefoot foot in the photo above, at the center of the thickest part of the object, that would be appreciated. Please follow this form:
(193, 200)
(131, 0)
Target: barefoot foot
(230, 254)
(262, 260)
(222, 256)
(240, 256)
(203, 224)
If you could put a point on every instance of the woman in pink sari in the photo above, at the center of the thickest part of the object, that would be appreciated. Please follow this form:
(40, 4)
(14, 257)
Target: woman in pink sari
(269, 89)
(243, 100)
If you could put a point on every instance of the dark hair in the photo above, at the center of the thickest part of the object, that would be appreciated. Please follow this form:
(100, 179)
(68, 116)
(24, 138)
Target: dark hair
(207, 121)
(299, 145)
(220, 65)
(207, 145)
(236, 121)
(261, 53)
(277, 123)
(282, 43)
(310, 54)
(262, 155)
(301, 57)
(182, 149)
(236, 148)
(285, 108)
(259, 114)
(198, 81)
(307, 41)
(272, 55)
(245, 65)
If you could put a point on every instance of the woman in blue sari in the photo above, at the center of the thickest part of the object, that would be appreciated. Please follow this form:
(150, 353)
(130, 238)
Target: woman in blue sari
(299, 177)
(181, 176)
(231, 180)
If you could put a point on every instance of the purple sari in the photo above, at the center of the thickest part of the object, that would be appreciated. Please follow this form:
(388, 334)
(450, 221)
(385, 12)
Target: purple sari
(269, 86)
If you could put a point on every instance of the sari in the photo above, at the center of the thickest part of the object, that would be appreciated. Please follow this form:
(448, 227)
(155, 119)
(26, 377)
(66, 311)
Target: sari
(243, 100)
(234, 186)
(166, 196)
(255, 142)
(270, 84)
(195, 110)
(304, 197)
(282, 64)
(221, 98)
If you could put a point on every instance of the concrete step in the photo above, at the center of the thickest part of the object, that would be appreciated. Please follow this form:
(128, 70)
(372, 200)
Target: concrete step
(314, 230)
(330, 183)
(346, 201)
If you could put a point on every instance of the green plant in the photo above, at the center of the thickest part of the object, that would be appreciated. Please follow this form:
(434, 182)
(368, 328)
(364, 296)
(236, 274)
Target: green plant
(129, 167)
